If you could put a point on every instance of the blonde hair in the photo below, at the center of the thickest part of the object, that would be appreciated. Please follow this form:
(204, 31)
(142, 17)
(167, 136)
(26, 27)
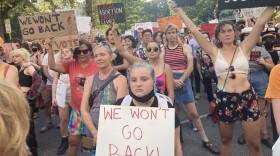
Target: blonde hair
(171, 27)
(14, 121)
(23, 53)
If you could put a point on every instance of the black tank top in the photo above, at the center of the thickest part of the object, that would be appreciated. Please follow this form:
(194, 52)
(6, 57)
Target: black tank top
(24, 80)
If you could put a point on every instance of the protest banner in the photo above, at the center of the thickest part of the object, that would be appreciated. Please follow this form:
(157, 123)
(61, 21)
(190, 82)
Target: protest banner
(113, 12)
(136, 131)
(163, 22)
(83, 24)
(42, 26)
(65, 42)
(238, 4)
(251, 12)
(210, 28)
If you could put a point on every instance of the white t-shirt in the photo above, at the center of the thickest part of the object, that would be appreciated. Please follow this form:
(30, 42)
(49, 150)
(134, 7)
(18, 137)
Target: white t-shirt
(45, 63)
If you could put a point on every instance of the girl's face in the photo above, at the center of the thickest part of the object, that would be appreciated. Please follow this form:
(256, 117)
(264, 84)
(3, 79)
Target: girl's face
(67, 54)
(153, 50)
(84, 54)
(141, 82)
(227, 34)
(17, 59)
(102, 57)
(128, 43)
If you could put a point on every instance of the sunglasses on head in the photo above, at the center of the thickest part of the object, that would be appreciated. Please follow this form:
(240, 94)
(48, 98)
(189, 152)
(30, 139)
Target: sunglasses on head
(232, 75)
(82, 51)
(155, 49)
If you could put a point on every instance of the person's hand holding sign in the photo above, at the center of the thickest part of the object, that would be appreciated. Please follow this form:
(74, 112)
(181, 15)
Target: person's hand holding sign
(115, 27)
(48, 43)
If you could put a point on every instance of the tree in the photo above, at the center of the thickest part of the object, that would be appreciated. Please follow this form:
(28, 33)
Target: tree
(156, 9)
(5, 8)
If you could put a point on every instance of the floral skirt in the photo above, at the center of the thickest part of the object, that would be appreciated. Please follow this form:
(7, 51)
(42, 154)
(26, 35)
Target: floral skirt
(237, 106)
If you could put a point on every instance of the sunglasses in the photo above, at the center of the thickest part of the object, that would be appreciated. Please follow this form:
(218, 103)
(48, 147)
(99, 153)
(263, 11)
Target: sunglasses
(155, 49)
(232, 75)
(79, 52)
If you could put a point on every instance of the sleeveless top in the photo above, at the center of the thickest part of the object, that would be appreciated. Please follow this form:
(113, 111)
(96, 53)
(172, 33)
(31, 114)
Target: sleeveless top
(24, 80)
(161, 81)
(240, 63)
(106, 97)
(176, 58)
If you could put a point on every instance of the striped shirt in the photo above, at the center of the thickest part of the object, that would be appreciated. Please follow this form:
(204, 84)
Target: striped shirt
(176, 58)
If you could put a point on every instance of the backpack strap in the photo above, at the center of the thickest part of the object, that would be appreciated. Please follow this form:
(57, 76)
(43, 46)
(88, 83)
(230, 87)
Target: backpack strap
(6, 70)
(162, 100)
(126, 101)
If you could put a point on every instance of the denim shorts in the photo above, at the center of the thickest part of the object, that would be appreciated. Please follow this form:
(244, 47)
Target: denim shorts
(183, 95)
(259, 81)
(237, 106)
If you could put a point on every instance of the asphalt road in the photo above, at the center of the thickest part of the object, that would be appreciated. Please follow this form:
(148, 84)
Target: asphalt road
(48, 142)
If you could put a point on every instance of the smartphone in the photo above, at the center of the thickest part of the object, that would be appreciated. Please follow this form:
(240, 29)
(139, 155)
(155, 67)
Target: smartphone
(183, 3)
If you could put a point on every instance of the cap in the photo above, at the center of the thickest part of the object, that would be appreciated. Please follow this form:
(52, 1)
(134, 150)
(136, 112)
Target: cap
(268, 36)
(246, 30)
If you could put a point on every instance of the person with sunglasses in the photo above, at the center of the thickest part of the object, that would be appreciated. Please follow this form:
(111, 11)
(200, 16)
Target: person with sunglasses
(78, 69)
(164, 78)
(235, 98)
(116, 89)
(260, 64)
(179, 57)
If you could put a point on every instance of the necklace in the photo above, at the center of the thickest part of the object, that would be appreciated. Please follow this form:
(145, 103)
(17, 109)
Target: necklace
(144, 104)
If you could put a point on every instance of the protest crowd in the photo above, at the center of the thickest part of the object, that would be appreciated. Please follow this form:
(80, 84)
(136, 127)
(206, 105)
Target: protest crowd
(77, 78)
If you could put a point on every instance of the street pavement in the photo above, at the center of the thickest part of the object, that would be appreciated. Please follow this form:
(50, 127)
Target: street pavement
(192, 146)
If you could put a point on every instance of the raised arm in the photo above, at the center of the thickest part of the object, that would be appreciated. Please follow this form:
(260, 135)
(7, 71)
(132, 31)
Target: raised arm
(58, 67)
(126, 55)
(250, 42)
(208, 47)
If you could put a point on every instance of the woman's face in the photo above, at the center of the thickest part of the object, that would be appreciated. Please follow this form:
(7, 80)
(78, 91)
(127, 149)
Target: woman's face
(141, 82)
(128, 43)
(67, 54)
(227, 34)
(102, 57)
(17, 59)
(153, 51)
(84, 53)
(158, 38)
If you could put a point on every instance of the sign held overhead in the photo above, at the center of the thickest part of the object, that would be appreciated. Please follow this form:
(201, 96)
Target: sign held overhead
(238, 4)
(109, 13)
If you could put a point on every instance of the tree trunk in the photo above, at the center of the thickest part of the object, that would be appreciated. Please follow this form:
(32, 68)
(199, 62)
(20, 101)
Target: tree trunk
(89, 9)
(2, 26)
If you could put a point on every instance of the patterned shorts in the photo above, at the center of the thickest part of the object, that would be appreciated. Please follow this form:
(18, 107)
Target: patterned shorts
(237, 106)
(76, 124)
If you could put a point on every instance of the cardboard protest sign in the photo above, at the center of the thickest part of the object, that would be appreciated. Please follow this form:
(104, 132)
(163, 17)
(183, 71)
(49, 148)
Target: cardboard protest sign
(238, 4)
(210, 28)
(111, 13)
(251, 12)
(83, 24)
(45, 25)
(136, 131)
(65, 42)
(163, 22)
(254, 55)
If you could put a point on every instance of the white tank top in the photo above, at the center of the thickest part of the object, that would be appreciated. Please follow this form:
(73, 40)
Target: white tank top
(240, 63)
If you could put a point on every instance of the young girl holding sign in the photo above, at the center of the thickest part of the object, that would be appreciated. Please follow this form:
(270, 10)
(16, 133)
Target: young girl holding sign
(235, 98)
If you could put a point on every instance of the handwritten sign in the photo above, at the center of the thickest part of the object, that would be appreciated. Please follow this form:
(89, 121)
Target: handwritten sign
(210, 28)
(65, 42)
(125, 130)
(254, 55)
(251, 12)
(111, 13)
(163, 22)
(83, 24)
(43, 26)
(238, 4)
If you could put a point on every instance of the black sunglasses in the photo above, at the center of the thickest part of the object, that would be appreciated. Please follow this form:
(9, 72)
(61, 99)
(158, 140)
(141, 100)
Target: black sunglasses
(82, 51)
(155, 49)
(232, 75)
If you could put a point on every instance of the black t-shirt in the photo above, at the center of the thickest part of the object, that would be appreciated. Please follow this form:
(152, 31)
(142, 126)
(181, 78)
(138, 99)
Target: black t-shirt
(154, 104)
(274, 56)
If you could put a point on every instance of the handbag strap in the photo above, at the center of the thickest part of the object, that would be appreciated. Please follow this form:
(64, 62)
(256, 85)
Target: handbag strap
(229, 67)
(107, 82)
